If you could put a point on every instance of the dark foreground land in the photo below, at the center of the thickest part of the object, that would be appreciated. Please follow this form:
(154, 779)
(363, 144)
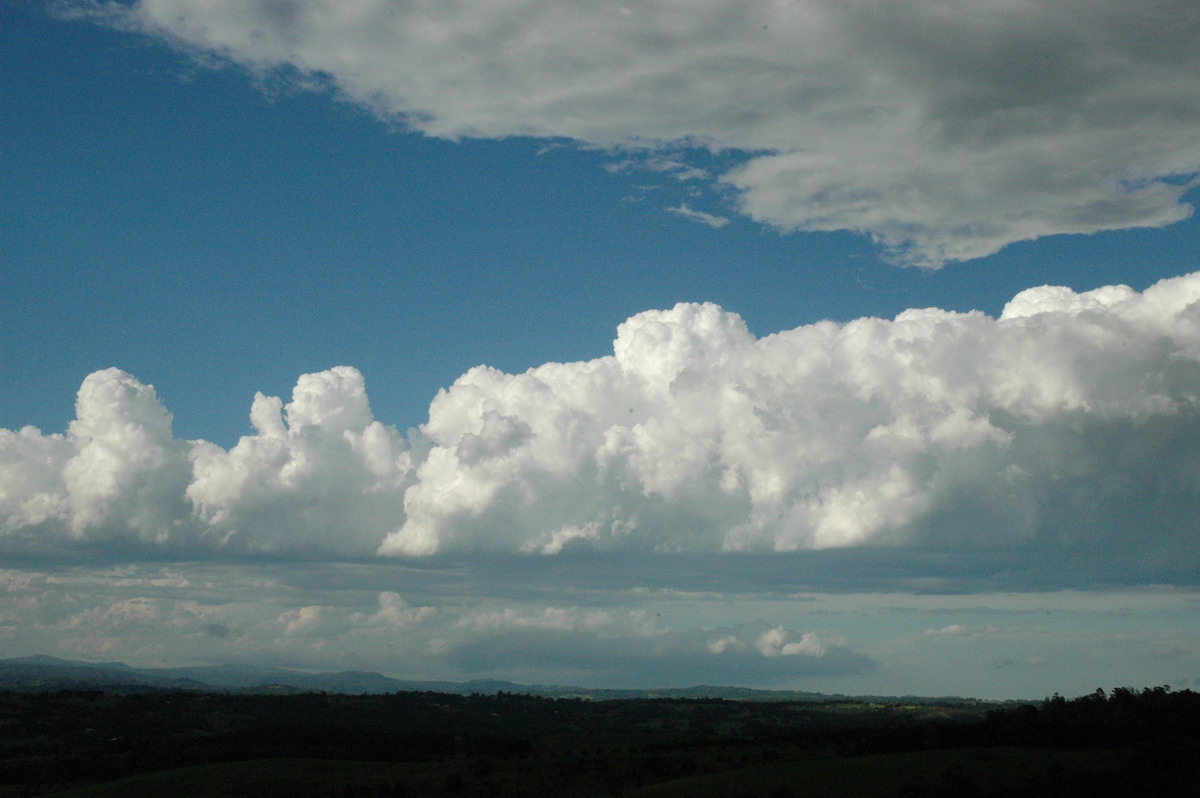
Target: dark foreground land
(89, 743)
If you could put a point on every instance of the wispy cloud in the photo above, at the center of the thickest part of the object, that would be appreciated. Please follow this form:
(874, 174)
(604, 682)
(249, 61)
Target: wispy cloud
(687, 212)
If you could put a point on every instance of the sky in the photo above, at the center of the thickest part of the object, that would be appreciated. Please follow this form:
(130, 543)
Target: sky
(828, 345)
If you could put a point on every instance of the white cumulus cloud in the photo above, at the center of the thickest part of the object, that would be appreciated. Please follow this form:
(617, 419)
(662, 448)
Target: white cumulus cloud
(1072, 420)
(117, 473)
(775, 643)
(943, 131)
(1065, 418)
(319, 474)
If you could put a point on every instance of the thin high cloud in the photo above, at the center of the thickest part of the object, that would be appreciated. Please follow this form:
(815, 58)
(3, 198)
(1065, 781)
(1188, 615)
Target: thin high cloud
(943, 132)
(1069, 423)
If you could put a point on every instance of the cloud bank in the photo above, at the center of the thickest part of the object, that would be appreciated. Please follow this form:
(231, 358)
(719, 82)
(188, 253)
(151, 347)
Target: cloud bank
(1071, 422)
(264, 613)
(945, 132)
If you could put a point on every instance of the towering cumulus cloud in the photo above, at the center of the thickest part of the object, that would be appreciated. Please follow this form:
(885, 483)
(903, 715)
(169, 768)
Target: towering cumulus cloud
(943, 130)
(1072, 420)
(1073, 416)
(319, 475)
(117, 474)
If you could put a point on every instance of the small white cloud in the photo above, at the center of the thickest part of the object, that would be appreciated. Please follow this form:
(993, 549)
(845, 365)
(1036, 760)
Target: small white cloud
(393, 613)
(953, 630)
(720, 645)
(686, 212)
(562, 537)
(303, 620)
(775, 643)
(675, 167)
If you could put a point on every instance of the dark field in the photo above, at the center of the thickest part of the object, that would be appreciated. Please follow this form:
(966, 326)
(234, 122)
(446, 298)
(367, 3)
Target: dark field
(81, 743)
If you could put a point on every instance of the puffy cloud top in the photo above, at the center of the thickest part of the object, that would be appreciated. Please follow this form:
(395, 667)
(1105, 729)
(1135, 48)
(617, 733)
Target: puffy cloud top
(944, 131)
(318, 475)
(696, 435)
(1073, 419)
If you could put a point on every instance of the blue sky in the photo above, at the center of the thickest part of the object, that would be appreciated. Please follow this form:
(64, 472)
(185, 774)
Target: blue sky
(216, 199)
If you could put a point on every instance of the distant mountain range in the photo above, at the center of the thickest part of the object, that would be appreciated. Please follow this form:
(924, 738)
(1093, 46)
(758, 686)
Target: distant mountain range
(37, 673)
(44, 673)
